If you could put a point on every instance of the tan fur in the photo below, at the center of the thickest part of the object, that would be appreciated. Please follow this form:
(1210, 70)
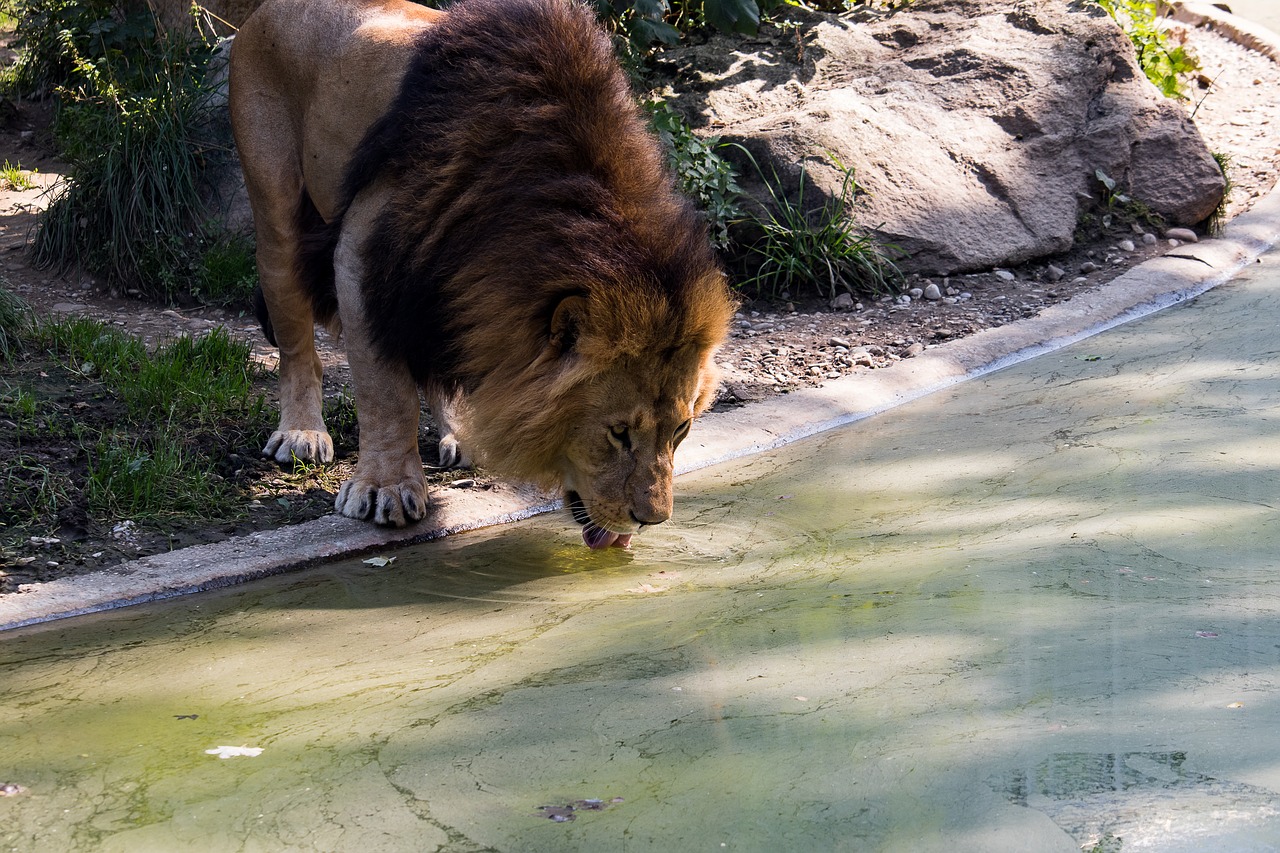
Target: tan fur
(548, 365)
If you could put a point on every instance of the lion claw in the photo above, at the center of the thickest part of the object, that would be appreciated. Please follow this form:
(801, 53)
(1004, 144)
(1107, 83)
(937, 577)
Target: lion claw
(451, 453)
(391, 506)
(302, 445)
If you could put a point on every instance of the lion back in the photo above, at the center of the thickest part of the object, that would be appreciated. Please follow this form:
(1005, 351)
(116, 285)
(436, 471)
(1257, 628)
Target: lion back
(522, 172)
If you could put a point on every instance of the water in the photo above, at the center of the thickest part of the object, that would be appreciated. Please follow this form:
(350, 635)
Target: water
(1036, 612)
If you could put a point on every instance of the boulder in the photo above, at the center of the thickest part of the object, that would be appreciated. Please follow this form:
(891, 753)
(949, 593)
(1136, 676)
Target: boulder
(975, 127)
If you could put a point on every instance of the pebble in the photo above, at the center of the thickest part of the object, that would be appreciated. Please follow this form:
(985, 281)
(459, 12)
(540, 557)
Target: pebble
(839, 342)
(1088, 267)
(914, 350)
(842, 302)
(1126, 246)
(915, 292)
(1149, 239)
(1054, 273)
(1005, 275)
(932, 292)
(1186, 235)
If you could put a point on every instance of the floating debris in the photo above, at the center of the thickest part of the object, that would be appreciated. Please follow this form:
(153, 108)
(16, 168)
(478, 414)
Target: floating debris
(235, 751)
(569, 811)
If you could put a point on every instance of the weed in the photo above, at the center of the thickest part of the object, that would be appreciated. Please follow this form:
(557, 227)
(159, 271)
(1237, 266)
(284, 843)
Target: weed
(820, 246)
(33, 492)
(1164, 63)
(1219, 216)
(14, 177)
(340, 417)
(226, 272)
(705, 177)
(150, 476)
(1121, 208)
(15, 318)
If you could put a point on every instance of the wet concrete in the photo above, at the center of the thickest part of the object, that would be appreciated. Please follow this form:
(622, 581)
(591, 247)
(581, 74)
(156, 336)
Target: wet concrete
(1037, 611)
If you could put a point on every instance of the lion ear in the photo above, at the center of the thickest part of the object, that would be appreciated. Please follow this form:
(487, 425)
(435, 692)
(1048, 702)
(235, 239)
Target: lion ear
(565, 322)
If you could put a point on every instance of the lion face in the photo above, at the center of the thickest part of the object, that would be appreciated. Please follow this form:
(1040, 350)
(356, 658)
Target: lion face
(618, 459)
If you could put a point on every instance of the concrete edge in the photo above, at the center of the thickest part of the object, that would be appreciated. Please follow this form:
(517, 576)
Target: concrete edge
(1173, 278)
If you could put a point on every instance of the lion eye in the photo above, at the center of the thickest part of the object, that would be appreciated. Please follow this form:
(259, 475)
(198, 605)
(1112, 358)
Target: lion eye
(620, 436)
(680, 433)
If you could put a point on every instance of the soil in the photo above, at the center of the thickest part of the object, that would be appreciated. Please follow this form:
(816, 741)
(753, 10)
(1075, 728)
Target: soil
(776, 347)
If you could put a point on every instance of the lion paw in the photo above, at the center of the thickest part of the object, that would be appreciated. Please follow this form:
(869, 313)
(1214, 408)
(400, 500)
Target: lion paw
(451, 453)
(304, 445)
(393, 505)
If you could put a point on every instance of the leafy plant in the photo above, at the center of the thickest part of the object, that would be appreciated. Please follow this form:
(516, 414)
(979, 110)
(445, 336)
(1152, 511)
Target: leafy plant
(1163, 63)
(226, 271)
(818, 246)
(704, 176)
(14, 177)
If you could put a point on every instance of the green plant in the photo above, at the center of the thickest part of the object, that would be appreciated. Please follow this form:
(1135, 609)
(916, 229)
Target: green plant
(1120, 207)
(15, 317)
(1163, 63)
(14, 177)
(706, 177)
(132, 104)
(1219, 215)
(817, 246)
(226, 271)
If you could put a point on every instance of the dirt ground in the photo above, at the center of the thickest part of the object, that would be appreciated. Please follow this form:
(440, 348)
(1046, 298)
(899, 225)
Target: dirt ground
(775, 347)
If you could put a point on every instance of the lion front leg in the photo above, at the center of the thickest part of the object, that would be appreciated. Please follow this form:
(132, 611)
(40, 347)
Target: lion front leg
(388, 486)
(301, 435)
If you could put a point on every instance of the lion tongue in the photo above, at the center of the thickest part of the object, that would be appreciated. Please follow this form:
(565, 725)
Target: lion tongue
(598, 537)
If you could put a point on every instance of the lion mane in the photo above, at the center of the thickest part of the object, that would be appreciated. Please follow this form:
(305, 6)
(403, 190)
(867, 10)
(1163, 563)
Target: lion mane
(519, 245)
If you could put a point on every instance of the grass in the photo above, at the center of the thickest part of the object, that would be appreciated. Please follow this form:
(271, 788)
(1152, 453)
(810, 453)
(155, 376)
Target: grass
(14, 177)
(815, 246)
(90, 418)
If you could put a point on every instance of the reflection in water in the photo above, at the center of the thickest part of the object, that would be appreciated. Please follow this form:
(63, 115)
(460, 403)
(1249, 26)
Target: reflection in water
(1035, 613)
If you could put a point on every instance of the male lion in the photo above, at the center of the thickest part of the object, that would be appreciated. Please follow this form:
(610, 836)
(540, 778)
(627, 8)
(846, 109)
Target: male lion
(472, 197)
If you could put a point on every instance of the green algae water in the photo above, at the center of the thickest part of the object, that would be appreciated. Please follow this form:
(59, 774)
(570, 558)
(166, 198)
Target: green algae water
(1040, 611)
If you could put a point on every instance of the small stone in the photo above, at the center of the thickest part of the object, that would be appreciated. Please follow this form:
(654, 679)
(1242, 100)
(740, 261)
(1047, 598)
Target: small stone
(915, 292)
(1126, 246)
(1088, 267)
(1005, 275)
(1054, 273)
(1174, 242)
(932, 292)
(842, 302)
(914, 350)
(1149, 239)
(1186, 235)
(904, 299)
(839, 342)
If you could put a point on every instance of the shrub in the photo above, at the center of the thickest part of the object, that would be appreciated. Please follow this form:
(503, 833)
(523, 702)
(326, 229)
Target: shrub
(705, 177)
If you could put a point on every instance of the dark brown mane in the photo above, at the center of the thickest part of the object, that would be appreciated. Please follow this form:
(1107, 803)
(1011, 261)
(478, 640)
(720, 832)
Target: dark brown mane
(522, 172)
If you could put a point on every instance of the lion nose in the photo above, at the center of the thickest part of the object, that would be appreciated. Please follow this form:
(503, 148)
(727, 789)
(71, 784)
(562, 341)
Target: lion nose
(646, 522)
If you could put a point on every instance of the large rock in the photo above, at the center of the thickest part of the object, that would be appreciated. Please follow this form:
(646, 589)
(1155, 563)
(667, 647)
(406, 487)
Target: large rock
(976, 126)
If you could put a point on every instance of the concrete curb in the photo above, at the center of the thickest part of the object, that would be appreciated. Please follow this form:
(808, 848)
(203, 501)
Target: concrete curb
(1159, 283)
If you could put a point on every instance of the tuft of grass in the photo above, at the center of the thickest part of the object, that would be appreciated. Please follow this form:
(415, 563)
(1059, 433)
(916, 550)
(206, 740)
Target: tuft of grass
(14, 177)
(15, 319)
(1219, 216)
(227, 271)
(132, 105)
(818, 247)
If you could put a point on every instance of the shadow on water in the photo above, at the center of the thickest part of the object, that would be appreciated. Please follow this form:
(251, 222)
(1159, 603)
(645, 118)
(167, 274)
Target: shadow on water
(1035, 612)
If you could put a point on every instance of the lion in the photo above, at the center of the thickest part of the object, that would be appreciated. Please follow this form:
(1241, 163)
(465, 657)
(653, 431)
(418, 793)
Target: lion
(474, 200)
